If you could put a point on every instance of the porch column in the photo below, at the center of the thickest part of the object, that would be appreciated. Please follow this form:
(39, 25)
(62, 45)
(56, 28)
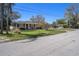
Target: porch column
(34, 26)
(16, 25)
(25, 26)
(28, 26)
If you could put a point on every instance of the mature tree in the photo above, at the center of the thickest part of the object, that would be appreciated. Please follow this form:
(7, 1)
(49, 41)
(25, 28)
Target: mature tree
(40, 18)
(6, 16)
(37, 18)
(1, 17)
(7, 13)
(32, 18)
(72, 15)
(61, 21)
(14, 16)
(54, 24)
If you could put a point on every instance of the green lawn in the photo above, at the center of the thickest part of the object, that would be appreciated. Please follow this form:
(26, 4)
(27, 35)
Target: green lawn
(31, 34)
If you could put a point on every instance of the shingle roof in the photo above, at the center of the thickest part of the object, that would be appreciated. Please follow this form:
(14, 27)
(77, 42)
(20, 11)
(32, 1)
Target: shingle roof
(25, 22)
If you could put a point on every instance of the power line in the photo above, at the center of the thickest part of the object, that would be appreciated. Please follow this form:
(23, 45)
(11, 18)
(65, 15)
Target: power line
(32, 11)
(27, 10)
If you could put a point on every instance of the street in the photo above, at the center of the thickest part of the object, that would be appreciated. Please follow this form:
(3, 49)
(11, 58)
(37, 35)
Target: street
(64, 44)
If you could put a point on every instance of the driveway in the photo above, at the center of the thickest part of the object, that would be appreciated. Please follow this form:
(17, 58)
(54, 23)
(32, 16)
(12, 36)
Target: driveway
(65, 44)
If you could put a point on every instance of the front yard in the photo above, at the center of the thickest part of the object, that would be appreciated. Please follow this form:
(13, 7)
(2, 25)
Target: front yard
(31, 34)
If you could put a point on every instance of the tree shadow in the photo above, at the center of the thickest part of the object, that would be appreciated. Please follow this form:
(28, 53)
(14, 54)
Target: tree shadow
(31, 40)
(32, 37)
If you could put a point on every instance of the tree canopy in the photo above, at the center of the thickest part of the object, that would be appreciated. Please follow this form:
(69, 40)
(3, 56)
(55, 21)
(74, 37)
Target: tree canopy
(72, 15)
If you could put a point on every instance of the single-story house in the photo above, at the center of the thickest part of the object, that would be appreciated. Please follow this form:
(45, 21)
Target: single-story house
(27, 25)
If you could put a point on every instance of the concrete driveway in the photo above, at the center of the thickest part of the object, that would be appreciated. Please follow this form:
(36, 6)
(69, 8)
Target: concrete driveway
(64, 44)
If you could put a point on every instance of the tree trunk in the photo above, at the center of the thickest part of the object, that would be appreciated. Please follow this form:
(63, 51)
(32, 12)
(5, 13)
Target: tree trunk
(8, 13)
(2, 16)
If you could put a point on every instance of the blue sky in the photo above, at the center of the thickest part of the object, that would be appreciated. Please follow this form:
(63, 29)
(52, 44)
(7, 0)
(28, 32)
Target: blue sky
(51, 11)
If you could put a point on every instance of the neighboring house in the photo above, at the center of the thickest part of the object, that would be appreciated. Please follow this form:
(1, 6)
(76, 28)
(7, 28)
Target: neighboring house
(27, 25)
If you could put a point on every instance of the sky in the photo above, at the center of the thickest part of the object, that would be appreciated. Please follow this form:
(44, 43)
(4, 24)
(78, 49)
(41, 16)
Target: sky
(51, 11)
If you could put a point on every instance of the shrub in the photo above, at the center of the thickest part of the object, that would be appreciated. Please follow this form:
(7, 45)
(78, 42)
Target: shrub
(65, 26)
(17, 30)
(77, 26)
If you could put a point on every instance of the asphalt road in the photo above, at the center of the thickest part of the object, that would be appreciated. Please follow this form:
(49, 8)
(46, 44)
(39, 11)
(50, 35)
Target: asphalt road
(65, 44)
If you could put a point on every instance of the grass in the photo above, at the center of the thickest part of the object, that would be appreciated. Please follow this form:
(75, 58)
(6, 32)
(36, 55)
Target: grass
(31, 34)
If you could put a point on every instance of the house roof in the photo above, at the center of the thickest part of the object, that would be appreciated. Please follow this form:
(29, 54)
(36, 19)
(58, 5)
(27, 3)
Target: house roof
(26, 22)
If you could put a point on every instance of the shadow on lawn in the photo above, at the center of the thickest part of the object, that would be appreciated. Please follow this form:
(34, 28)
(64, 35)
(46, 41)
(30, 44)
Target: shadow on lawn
(33, 37)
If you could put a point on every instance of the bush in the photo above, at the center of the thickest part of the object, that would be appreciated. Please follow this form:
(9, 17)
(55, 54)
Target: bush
(17, 30)
(77, 26)
(65, 26)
